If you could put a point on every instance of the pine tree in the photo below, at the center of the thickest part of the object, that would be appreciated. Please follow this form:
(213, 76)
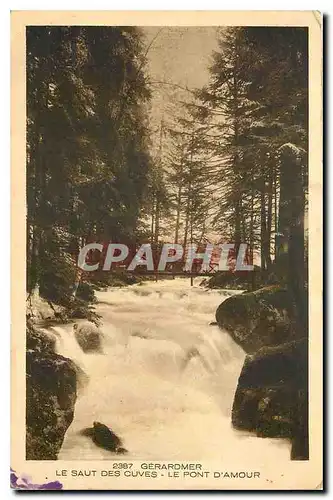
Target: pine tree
(256, 101)
(88, 159)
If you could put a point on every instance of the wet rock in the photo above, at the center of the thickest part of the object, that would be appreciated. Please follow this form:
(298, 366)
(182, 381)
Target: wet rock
(51, 396)
(89, 337)
(265, 317)
(271, 396)
(82, 379)
(40, 310)
(40, 341)
(105, 438)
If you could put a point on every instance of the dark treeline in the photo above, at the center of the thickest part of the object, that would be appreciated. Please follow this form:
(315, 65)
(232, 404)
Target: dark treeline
(88, 162)
(225, 168)
(255, 105)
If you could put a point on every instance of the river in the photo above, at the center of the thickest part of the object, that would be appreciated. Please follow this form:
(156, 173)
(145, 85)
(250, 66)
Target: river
(166, 380)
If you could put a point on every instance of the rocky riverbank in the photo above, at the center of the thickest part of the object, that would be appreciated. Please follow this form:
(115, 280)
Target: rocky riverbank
(51, 395)
(271, 398)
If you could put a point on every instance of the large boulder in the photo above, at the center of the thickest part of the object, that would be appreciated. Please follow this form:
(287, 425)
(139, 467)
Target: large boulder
(51, 396)
(265, 317)
(40, 341)
(88, 336)
(271, 396)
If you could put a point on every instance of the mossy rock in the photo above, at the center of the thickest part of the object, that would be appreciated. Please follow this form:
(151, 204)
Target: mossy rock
(89, 337)
(40, 341)
(265, 317)
(51, 396)
(271, 396)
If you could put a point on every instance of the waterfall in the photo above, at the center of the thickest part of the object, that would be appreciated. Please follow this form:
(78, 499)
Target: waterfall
(166, 379)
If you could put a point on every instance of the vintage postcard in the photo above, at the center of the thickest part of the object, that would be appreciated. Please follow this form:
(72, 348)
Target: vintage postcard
(166, 250)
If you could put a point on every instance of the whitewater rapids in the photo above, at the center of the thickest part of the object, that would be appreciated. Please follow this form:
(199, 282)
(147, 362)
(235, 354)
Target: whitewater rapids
(166, 380)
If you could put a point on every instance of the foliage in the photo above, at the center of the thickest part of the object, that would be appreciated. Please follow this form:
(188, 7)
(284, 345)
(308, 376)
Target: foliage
(88, 159)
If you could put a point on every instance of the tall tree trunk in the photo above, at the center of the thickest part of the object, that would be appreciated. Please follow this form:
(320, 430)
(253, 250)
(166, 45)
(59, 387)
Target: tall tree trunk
(291, 259)
(269, 221)
(157, 220)
(191, 234)
(291, 228)
(237, 204)
(189, 198)
(187, 219)
(253, 273)
(178, 210)
(158, 201)
(275, 210)
(237, 233)
(152, 224)
(263, 226)
(38, 190)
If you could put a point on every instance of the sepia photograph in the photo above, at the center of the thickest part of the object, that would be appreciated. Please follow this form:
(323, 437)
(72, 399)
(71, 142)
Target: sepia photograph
(167, 277)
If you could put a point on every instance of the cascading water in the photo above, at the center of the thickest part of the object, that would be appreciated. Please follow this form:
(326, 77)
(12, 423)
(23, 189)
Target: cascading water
(166, 380)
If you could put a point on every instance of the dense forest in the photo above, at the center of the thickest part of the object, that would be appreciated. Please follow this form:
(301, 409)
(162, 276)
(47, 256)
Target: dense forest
(223, 165)
(89, 166)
